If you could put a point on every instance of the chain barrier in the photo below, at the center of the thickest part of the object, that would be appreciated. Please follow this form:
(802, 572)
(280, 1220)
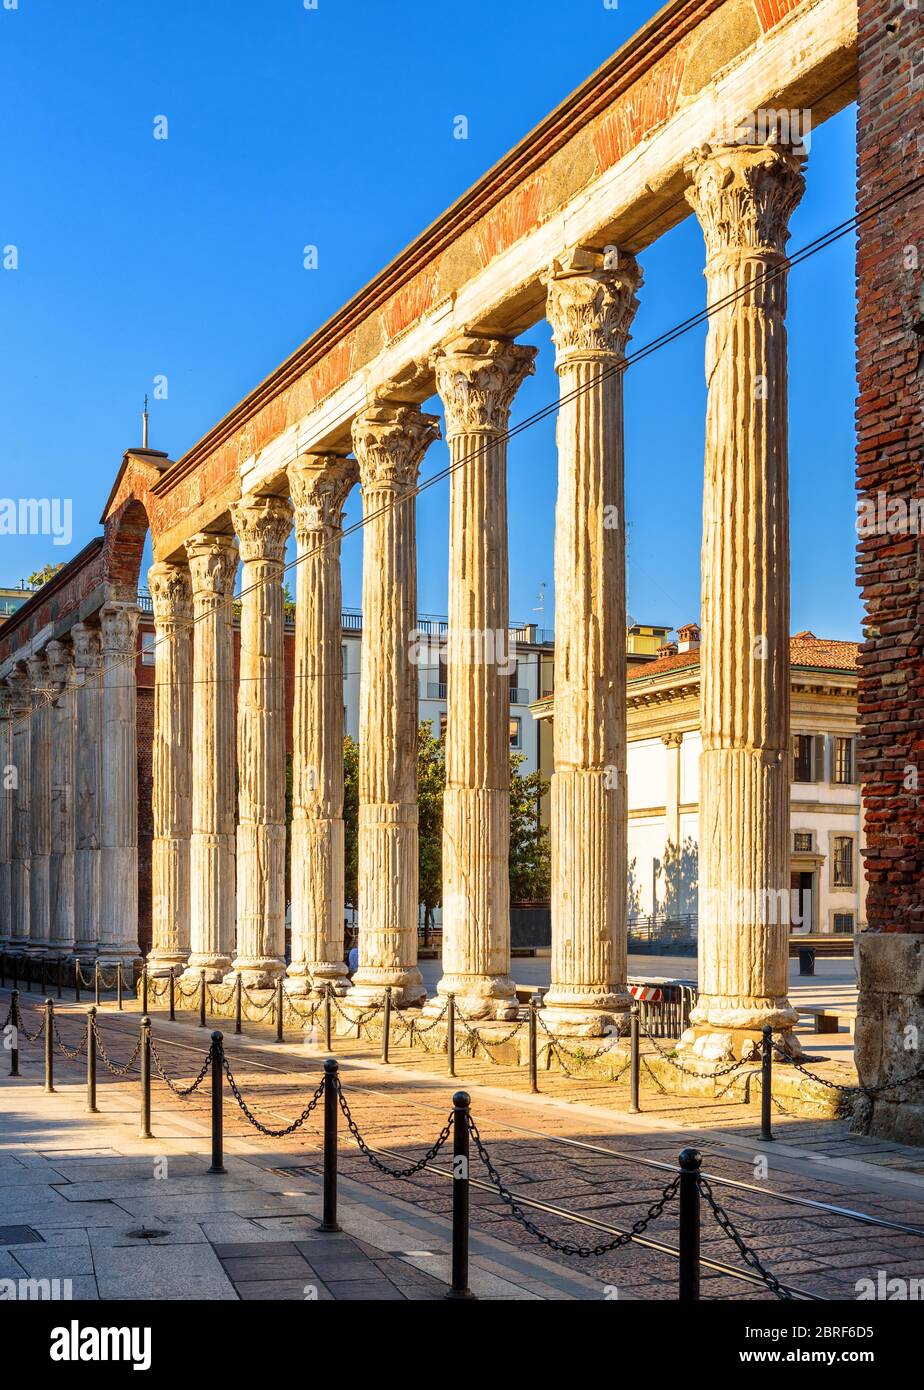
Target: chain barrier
(264, 1129)
(181, 993)
(565, 1247)
(182, 1091)
(361, 1019)
(289, 1003)
(691, 1071)
(113, 1066)
(374, 1159)
(495, 1042)
(265, 1008)
(750, 1257)
(851, 1092)
(31, 1037)
(211, 998)
(578, 1056)
(71, 1053)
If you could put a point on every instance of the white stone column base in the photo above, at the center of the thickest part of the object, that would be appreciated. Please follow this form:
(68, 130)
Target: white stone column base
(261, 973)
(477, 996)
(712, 1044)
(161, 962)
(371, 982)
(583, 1013)
(216, 967)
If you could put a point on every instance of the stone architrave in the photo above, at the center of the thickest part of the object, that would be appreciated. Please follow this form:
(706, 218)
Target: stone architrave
(319, 486)
(87, 807)
(262, 525)
(591, 304)
(118, 901)
(40, 820)
(62, 884)
(389, 442)
(743, 196)
(477, 379)
(213, 562)
(171, 596)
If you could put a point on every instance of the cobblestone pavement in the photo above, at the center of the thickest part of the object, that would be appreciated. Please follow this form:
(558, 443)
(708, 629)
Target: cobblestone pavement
(572, 1148)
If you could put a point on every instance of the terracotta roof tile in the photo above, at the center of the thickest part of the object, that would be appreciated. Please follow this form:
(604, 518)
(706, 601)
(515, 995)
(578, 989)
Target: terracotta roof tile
(805, 649)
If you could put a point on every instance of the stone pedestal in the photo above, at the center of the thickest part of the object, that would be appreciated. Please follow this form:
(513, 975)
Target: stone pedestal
(171, 596)
(319, 486)
(591, 305)
(743, 196)
(118, 917)
(262, 525)
(213, 561)
(389, 441)
(87, 855)
(889, 1029)
(477, 379)
(20, 860)
(40, 832)
(63, 822)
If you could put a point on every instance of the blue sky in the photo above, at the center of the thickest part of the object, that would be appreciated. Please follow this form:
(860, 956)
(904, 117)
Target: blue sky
(182, 258)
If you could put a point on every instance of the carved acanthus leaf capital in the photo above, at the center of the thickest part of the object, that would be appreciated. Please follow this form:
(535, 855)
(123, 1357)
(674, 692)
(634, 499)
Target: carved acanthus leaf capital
(60, 662)
(320, 484)
(20, 688)
(744, 196)
(39, 679)
(390, 441)
(477, 379)
(213, 561)
(170, 587)
(262, 525)
(87, 647)
(119, 628)
(591, 305)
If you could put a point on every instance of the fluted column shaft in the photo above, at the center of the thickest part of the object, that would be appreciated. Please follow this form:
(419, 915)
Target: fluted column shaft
(21, 844)
(7, 782)
(319, 487)
(590, 308)
(743, 196)
(477, 379)
(389, 442)
(63, 771)
(170, 590)
(87, 809)
(118, 923)
(213, 561)
(262, 525)
(40, 832)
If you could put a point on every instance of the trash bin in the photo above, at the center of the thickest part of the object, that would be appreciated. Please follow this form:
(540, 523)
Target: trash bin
(806, 960)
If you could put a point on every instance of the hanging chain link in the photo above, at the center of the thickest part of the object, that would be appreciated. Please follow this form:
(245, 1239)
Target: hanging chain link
(31, 1037)
(264, 1129)
(750, 1257)
(495, 1042)
(113, 1066)
(374, 1158)
(71, 1053)
(691, 1071)
(181, 1091)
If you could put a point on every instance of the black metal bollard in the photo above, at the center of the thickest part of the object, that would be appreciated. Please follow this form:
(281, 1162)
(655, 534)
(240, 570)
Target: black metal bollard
(14, 1019)
(76, 979)
(328, 995)
(202, 998)
(331, 1106)
(534, 1003)
(144, 987)
(15, 970)
(172, 996)
(96, 984)
(766, 1084)
(279, 1003)
(634, 1059)
(451, 1034)
(49, 1045)
(218, 1057)
(119, 985)
(91, 1061)
(690, 1162)
(238, 1006)
(459, 1288)
(59, 971)
(386, 1025)
(145, 1058)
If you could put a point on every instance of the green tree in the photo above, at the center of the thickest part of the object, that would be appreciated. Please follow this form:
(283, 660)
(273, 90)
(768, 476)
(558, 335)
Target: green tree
(350, 819)
(530, 856)
(39, 577)
(431, 783)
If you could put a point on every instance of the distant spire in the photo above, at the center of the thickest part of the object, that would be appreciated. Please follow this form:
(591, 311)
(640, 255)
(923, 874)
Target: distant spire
(144, 425)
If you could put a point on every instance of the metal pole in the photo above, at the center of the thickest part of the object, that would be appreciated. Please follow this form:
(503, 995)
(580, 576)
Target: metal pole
(634, 1058)
(76, 979)
(459, 1288)
(49, 1045)
(451, 1034)
(766, 1084)
(15, 970)
(44, 975)
(386, 1025)
(202, 998)
(58, 973)
(119, 985)
(172, 996)
(237, 1004)
(328, 1045)
(279, 1009)
(534, 1044)
(218, 1054)
(144, 987)
(145, 1130)
(14, 1050)
(690, 1161)
(329, 1217)
(96, 979)
(91, 1060)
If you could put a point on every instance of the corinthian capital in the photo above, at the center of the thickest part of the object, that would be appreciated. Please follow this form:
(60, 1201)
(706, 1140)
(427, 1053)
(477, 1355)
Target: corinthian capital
(320, 484)
(744, 196)
(37, 667)
(87, 647)
(477, 379)
(20, 688)
(591, 305)
(118, 624)
(171, 592)
(390, 441)
(60, 663)
(262, 525)
(212, 564)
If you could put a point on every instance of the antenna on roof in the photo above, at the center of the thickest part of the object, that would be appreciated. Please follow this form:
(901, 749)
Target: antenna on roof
(144, 425)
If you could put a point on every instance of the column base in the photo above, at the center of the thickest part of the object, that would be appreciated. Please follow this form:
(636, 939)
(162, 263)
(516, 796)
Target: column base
(216, 967)
(370, 983)
(477, 996)
(584, 1013)
(712, 1044)
(160, 963)
(311, 978)
(114, 955)
(261, 973)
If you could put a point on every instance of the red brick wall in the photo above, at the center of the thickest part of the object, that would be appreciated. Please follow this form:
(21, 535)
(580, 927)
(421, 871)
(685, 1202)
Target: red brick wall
(890, 438)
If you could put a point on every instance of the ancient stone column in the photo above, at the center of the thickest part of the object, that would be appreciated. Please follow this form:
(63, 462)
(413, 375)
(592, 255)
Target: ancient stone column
(118, 922)
(7, 776)
(63, 775)
(40, 824)
(590, 308)
(477, 379)
(389, 442)
(213, 566)
(21, 843)
(262, 525)
(743, 196)
(319, 486)
(171, 596)
(87, 855)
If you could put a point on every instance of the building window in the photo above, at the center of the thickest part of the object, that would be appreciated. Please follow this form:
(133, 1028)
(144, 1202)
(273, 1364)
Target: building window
(843, 760)
(802, 842)
(148, 643)
(843, 861)
(842, 923)
(516, 732)
(802, 758)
